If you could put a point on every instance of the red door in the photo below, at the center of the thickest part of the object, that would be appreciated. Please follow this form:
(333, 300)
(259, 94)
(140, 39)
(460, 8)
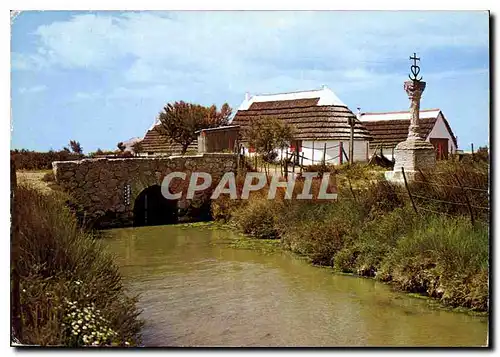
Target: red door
(441, 148)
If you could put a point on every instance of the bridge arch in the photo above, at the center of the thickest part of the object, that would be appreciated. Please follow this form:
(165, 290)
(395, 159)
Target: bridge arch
(151, 208)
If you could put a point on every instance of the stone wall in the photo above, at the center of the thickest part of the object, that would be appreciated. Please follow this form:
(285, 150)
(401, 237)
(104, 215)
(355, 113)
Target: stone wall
(99, 186)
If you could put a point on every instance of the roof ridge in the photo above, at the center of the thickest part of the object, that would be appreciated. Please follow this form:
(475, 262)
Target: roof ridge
(400, 112)
(292, 92)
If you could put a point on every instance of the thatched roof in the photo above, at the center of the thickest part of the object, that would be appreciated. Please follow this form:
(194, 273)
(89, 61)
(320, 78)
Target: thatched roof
(311, 120)
(159, 144)
(391, 132)
(390, 128)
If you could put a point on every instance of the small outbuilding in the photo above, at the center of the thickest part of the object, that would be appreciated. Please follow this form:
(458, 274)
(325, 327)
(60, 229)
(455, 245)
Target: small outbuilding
(390, 128)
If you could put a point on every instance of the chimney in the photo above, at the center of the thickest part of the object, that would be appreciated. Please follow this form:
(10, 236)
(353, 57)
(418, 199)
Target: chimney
(358, 113)
(247, 96)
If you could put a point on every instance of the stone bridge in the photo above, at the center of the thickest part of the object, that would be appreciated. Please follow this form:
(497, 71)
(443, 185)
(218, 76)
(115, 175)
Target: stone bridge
(122, 192)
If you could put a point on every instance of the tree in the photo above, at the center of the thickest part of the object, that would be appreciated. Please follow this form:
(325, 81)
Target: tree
(138, 148)
(180, 121)
(266, 135)
(121, 146)
(76, 147)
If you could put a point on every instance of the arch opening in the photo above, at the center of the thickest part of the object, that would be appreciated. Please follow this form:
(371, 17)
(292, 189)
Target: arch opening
(152, 209)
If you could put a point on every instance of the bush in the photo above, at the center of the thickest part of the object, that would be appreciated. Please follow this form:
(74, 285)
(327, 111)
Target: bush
(60, 266)
(318, 230)
(257, 218)
(31, 160)
(376, 238)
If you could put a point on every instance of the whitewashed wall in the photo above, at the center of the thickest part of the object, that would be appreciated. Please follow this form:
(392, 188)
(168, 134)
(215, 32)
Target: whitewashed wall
(441, 132)
(332, 151)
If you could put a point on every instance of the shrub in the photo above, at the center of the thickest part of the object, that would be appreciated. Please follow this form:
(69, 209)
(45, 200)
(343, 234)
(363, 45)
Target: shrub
(55, 261)
(376, 238)
(31, 160)
(258, 218)
(318, 230)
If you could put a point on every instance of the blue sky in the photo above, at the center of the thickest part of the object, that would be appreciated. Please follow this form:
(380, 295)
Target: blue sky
(102, 77)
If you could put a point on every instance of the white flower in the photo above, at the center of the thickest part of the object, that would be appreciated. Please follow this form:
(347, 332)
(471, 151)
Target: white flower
(127, 343)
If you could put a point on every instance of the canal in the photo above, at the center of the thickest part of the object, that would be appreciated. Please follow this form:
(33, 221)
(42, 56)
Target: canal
(197, 288)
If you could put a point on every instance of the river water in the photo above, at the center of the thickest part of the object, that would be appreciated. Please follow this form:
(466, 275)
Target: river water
(198, 289)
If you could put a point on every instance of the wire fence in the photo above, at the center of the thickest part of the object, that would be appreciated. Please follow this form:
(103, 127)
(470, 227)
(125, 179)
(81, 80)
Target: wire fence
(464, 197)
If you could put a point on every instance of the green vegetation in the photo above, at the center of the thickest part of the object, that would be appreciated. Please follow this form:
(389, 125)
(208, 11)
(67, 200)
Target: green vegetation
(66, 288)
(180, 121)
(374, 231)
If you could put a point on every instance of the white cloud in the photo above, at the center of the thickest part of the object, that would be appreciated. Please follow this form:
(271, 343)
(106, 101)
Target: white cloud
(173, 53)
(86, 96)
(34, 89)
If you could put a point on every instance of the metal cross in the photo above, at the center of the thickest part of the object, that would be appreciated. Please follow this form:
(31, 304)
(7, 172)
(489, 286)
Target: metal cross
(415, 69)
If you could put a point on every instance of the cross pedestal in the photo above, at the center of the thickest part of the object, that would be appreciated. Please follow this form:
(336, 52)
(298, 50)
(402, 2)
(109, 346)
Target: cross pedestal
(414, 153)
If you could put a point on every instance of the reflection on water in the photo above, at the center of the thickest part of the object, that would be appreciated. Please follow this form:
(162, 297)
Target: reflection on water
(197, 291)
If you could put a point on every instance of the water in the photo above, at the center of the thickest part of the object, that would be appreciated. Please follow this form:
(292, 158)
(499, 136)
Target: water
(198, 290)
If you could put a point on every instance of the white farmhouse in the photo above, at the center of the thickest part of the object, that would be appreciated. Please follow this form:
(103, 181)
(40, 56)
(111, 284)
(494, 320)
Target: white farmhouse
(320, 120)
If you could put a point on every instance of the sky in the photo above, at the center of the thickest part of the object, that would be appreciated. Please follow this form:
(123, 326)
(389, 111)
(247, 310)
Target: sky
(102, 77)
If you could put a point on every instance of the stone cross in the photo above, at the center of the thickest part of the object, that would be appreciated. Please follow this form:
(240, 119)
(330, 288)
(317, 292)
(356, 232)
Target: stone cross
(414, 88)
(415, 153)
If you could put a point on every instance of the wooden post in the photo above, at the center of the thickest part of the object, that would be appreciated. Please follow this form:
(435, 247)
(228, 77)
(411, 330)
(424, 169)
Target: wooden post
(301, 163)
(367, 149)
(341, 149)
(237, 151)
(464, 192)
(472, 149)
(312, 159)
(408, 189)
(351, 142)
(324, 154)
(345, 154)
(297, 151)
(352, 191)
(286, 166)
(281, 162)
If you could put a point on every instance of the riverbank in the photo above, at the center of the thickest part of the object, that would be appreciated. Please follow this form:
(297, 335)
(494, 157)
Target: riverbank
(66, 290)
(375, 232)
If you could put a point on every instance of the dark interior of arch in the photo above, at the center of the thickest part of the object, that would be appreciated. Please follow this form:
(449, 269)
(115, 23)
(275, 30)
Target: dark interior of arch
(151, 208)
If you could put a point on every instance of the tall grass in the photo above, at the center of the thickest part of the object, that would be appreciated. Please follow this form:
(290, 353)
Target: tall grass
(70, 288)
